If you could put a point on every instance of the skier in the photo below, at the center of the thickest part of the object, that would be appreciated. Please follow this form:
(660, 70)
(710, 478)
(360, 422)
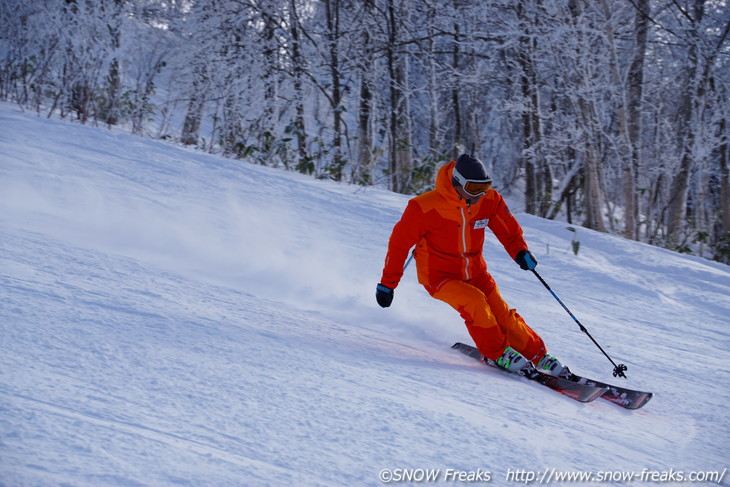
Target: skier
(446, 226)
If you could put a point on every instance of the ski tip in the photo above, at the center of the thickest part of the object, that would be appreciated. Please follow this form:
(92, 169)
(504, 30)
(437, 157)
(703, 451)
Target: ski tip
(640, 403)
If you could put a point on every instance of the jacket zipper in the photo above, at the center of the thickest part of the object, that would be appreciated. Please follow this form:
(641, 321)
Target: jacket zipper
(463, 245)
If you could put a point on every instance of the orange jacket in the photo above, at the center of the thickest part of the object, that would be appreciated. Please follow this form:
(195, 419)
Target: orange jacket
(449, 235)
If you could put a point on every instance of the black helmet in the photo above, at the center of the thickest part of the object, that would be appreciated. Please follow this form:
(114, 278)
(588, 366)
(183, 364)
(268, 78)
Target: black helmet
(470, 173)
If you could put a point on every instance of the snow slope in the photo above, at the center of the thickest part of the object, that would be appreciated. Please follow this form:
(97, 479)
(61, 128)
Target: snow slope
(168, 317)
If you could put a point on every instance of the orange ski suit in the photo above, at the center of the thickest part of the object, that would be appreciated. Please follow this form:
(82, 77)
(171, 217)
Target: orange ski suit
(448, 235)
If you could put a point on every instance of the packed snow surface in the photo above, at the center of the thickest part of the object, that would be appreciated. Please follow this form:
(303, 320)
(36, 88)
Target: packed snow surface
(169, 317)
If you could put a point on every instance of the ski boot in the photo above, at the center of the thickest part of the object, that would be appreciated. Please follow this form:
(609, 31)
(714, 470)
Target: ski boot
(513, 361)
(552, 366)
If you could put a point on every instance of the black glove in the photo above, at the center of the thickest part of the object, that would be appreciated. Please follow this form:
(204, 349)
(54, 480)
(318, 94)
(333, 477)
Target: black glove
(384, 295)
(526, 260)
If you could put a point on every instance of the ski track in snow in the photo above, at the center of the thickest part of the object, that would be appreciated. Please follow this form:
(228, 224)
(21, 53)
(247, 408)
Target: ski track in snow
(168, 317)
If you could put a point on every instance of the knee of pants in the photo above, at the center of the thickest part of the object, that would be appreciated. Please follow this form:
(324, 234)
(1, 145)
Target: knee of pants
(470, 302)
(523, 338)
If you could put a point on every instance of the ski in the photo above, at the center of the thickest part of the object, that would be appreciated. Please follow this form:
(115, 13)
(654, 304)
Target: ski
(572, 389)
(621, 396)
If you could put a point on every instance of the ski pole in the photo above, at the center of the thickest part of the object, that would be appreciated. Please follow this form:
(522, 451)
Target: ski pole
(409, 260)
(618, 370)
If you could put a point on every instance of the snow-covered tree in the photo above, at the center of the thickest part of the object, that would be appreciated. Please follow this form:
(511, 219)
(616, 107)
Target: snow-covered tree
(609, 114)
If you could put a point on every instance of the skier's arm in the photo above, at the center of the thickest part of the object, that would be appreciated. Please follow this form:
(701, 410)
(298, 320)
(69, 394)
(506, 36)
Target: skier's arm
(404, 237)
(507, 230)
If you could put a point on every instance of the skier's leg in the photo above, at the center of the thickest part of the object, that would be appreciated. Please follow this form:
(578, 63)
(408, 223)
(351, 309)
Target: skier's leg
(519, 334)
(471, 303)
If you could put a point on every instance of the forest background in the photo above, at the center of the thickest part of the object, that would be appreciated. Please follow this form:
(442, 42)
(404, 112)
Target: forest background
(612, 114)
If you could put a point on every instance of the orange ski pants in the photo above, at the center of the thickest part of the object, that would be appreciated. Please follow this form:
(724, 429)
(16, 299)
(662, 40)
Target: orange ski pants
(491, 323)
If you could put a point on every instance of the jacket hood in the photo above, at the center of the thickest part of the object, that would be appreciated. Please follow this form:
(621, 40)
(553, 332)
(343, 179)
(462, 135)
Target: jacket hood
(444, 186)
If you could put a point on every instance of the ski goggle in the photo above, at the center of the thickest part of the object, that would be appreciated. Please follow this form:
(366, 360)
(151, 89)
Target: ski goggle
(473, 187)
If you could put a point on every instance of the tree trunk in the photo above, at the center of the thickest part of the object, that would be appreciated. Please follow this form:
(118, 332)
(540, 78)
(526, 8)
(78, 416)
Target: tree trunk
(690, 102)
(304, 162)
(458, 146)
(401, 161)
(530, 116)
(332, 8)
(435, 144)
(365, 162)
(114, 78)
(194, 114)
(634, 94)
(624, 147)
(593, 193)
(724, 181)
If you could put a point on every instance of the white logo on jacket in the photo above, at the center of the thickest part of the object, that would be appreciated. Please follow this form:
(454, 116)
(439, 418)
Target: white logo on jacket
(481, 224)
